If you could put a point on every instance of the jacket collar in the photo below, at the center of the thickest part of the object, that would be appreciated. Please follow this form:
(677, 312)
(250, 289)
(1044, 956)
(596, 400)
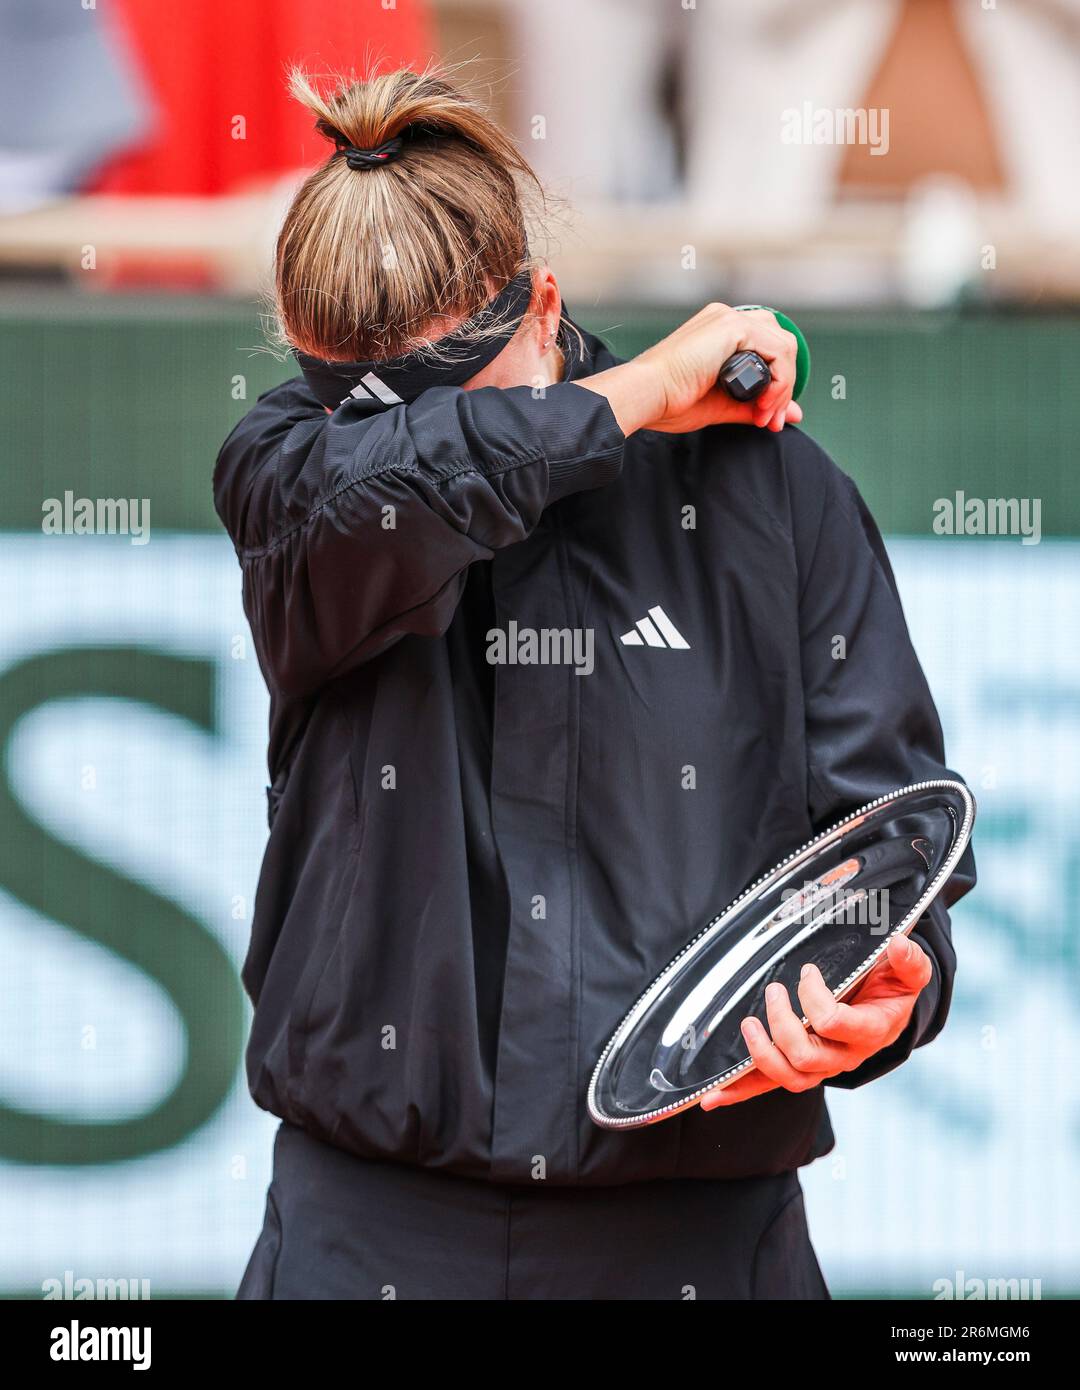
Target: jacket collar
(586, 356)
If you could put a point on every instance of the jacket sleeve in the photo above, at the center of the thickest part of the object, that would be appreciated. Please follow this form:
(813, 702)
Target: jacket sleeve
(354, 530)
(871, 724)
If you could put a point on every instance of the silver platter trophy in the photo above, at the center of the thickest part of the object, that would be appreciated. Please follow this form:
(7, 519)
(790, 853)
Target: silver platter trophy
(835, 902)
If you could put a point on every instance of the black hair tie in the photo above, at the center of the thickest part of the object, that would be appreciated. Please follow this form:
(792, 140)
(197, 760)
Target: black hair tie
(372, 159)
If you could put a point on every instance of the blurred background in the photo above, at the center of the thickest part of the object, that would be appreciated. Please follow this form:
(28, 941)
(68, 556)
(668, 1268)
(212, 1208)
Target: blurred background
(898, 175)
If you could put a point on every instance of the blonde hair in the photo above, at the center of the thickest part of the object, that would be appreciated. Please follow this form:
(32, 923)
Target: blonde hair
(368, 262)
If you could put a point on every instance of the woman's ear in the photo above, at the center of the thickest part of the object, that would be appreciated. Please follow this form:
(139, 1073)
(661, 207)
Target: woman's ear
(548, 307)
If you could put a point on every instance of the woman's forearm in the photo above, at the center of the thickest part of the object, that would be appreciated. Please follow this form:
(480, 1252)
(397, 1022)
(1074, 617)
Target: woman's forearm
(634, 390)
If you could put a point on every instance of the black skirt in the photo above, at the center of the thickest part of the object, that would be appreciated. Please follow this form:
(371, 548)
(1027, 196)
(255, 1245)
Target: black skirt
(341, 1227)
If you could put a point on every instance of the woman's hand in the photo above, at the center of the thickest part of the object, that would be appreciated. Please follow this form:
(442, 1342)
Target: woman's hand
(672, 387)
(844, 1035)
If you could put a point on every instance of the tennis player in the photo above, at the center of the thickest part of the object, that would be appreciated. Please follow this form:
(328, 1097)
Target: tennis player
(562, 652)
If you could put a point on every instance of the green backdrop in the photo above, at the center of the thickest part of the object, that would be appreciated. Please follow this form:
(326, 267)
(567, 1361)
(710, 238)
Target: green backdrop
(99, 399)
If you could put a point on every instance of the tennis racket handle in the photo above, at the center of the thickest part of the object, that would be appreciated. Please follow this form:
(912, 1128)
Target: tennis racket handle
(745, 375)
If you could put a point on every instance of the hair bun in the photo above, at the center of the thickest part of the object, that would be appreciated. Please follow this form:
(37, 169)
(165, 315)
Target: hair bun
(368, 267)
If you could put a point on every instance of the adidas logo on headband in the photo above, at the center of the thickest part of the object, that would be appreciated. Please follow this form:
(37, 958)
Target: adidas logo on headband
(396, 380)
(370, 385)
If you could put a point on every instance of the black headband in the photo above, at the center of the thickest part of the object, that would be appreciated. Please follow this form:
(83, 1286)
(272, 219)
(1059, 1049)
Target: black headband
(393, 380)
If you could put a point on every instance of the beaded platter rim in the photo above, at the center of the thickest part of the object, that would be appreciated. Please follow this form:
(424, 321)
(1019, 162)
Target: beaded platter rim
(605, 1120)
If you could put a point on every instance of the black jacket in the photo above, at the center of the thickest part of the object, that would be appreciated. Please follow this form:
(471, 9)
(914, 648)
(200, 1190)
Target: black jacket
(474, 869)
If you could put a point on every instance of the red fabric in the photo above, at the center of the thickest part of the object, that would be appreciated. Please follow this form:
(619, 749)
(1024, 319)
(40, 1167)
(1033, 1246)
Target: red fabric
(205, 62)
